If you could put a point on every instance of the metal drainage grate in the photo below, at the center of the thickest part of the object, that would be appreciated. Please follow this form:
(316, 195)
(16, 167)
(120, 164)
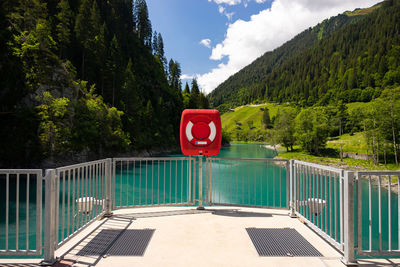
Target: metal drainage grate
(278, 242)
(131, 242)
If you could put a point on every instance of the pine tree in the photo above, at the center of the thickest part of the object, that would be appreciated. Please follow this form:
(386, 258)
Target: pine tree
(194, 95)
(83, 30)
(113, 64)
(143, 24)
(64, 25)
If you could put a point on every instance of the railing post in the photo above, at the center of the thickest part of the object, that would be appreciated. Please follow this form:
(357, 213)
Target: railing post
(50, 228)
(200, 207)
(292, 189)
(348, 219)
(108, 185)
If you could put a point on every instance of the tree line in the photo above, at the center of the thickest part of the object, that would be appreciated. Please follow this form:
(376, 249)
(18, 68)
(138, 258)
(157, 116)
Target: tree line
(311, 127)
(86, 76)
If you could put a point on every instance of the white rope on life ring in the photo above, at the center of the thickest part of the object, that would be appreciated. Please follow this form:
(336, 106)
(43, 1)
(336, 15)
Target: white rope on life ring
(211, 137)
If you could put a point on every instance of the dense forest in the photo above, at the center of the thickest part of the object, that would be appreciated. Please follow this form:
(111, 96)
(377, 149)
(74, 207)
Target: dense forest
(85, 77)
(351, 57)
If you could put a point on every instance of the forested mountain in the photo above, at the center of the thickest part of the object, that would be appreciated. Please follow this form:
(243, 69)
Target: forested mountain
(351, 57)
(85, 77)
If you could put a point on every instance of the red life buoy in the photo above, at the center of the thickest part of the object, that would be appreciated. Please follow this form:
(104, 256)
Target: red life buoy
(200, 133)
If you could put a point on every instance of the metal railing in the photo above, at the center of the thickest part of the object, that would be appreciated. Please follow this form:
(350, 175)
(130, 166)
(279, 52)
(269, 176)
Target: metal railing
(326, 198)
(21, 191)
(378, 218)
(75, 196)
(318, 199)
(247, 182)
(164, 181)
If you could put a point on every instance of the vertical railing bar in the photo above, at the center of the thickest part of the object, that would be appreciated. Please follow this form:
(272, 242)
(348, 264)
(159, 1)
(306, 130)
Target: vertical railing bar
(78, 191)
(262, 177)
(359, 213)
(146, 202)
(280, 187)
(17, 214)
(211, 181)
(318, 197)
(189, 180)
(243, 183)
(398, 209)
(182, 181)
(170, 183)
(95, 191)
(27, 212)
(341, 207)
(332, 204)
(313, 196)
(57, 207)
(88, 195)
(320, 182)
(134, 182)
(69, 202)
(219, 181)
(194, 180)
(207, 181)
(158, 182)
(248, 182)
(336, 209)
(7, 205)
(152, 182)
(164, 182)
(267, 182)
(120, 185)
(390, 212)
(73, 200)
(63, 205)
(370, 211)
(307, 190)
(91, 191)
(288, 170)
(127, 183)
(140, 182)
(380, 210)
(100, 198)
(39, 180)
(176, 181)
(226, 191)
(237, 188)
(231, 183)
(86, 192)
(273, 186)
(303, 190)
(326, 202)
(114, 178)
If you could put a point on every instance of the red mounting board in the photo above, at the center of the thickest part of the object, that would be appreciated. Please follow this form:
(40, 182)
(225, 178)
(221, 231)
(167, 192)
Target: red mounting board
(200, 132)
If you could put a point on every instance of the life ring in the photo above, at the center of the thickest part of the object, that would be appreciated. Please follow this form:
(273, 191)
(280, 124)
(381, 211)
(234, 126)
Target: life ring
(204, 134)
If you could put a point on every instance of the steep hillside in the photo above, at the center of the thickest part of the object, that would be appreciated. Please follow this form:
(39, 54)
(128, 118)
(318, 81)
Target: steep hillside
(350, 57)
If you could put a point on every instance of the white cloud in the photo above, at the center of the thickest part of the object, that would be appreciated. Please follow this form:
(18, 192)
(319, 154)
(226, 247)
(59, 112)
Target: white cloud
(187, 77)
(235, 2)
(206, 42)
(221, 9)
(267, 30)
(228, 2)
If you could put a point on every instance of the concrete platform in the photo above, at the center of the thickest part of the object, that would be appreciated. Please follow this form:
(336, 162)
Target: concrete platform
(187, 237)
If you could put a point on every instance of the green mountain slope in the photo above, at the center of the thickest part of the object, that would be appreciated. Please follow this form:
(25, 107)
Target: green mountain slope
(349, 57)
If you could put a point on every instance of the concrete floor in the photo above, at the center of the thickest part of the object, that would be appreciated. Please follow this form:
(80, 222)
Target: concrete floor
(187, 237)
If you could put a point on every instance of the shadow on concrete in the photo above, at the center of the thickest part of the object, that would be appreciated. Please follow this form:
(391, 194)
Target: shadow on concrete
(237, 213)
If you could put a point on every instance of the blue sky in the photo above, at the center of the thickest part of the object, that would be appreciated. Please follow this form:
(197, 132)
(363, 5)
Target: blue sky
(213, 39)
